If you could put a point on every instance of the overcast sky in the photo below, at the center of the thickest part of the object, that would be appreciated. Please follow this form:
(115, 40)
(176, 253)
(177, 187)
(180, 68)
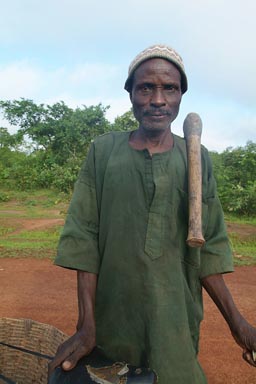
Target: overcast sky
(78, 51)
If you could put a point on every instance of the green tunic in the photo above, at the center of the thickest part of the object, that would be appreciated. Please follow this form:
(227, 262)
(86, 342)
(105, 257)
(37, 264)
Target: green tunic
(128, 222)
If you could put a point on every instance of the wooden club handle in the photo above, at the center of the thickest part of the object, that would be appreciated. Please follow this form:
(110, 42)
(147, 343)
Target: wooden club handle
(192, 129)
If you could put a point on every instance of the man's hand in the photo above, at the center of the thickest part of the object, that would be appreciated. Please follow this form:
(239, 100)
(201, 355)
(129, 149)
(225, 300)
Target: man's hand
(72, 350)
(243, 333)
(245, 336)
(84, 340)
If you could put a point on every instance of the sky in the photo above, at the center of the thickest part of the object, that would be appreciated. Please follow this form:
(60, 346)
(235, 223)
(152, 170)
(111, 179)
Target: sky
(79, 51)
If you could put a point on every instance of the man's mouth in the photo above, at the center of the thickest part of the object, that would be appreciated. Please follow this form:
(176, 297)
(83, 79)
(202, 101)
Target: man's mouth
(156, 114)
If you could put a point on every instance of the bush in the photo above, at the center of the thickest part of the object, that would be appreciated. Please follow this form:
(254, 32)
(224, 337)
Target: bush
(235, 172)
(240, 200)
(4, 196)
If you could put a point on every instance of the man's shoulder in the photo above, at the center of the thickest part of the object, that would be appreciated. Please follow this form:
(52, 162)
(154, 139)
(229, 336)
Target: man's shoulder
(110, 137)
(178, 139)
(181, 143)
(104, 144)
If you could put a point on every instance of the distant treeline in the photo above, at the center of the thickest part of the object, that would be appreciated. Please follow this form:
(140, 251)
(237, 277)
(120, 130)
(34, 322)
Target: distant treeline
(52, 140)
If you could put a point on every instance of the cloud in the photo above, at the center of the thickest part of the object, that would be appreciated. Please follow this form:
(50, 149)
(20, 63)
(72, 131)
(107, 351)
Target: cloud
(19, 79)
(83, 84)
(215, 38)
(86, 80)
(90, 72)
(225, 123)
(79, 52)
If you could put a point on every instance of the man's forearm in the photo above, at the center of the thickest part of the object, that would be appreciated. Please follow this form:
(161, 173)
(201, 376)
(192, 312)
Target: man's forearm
(218, 291)
(243, 333)
(86, 292)
(84, 340)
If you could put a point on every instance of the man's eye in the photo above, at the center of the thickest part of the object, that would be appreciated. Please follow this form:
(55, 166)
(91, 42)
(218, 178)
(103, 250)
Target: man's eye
(146, 88)
(169, 87)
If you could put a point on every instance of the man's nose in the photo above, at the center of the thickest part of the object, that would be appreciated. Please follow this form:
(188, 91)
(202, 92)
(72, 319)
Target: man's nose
(158, 97)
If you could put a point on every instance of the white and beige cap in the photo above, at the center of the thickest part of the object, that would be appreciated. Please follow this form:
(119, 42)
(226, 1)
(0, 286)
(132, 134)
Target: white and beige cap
(162, 52)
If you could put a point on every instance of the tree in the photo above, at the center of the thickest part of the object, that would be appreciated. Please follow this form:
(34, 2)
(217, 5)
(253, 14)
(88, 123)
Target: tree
(52, 140)
(235, 172)
(58, 138)
(125, 122)
(57, 129)
(8, 140)
(240, 163)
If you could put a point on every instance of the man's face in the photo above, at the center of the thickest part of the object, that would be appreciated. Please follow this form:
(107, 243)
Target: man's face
(156, 94)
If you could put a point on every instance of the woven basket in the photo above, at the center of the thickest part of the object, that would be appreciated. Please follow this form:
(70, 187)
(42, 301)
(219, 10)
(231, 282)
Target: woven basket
(20, 367)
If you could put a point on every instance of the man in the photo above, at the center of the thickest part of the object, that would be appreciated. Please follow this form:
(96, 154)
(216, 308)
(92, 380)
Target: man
(139, 284)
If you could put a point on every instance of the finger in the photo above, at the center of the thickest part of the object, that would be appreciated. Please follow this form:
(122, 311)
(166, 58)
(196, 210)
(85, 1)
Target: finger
(247, 356)
(68, 364)
(63, 352)
(73, 359)
(61, 355)
(56, 362)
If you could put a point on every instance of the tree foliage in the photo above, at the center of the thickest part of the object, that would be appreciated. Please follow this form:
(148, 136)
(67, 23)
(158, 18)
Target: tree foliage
(235, 172)
(57, 129)
(51, 142)
(126, 122)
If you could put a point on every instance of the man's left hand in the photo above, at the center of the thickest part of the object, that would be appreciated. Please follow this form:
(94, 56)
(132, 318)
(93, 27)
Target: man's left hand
(243, 333)
(245, 336)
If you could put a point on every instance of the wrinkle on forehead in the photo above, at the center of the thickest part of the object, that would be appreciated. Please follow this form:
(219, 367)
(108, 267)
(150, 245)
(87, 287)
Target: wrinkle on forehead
(155, 67)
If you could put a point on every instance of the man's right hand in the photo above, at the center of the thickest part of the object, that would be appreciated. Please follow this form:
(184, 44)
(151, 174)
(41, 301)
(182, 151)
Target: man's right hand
(84, 340)
(72, 350)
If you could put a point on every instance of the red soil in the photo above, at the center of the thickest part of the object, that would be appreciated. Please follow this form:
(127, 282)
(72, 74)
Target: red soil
(35, 289)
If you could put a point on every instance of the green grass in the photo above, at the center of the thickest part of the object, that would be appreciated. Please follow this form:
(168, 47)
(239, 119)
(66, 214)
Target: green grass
(41, 243)
(5, 230)
(250, 220)
(40, 253)
(244, 250)
(33, 203)
(46, 237)
(15, 207)
(34, 243)
(49, 234)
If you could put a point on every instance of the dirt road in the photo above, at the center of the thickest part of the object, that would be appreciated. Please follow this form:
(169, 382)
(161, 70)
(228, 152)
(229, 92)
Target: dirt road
(38, 290)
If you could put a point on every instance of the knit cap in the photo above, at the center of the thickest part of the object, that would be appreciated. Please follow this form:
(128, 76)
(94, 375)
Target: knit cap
(162, 52)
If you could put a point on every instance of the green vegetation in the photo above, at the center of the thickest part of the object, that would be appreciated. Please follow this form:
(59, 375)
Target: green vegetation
(244, 249)
(40, 162)
(33, 204)
(32, 240)
(235, 172)
(31, 222)
(240, 219)
(51, 142)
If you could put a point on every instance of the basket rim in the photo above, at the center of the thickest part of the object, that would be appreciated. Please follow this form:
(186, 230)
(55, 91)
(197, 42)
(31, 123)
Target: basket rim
(27, 346)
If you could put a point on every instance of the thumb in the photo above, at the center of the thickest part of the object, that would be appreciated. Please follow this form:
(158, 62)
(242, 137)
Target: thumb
(68, 364)
(72, 360)
(248, 357)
